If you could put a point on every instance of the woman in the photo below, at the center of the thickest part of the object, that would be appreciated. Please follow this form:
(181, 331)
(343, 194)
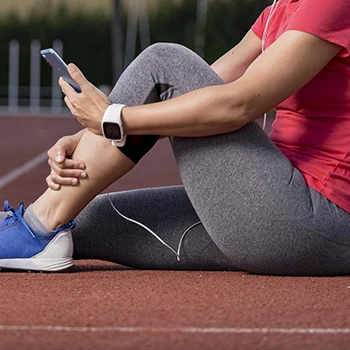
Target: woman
(273, 206)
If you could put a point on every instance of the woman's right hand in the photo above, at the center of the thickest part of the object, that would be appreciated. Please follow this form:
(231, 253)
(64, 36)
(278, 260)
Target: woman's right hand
(64, 170)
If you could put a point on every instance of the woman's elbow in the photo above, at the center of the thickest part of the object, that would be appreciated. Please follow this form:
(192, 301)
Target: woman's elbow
(240, 110)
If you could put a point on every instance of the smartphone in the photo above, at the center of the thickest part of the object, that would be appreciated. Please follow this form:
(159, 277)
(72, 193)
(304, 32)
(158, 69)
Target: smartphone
(60, 67)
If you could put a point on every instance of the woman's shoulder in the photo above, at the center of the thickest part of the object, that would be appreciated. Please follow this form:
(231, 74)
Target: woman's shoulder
(327, 19)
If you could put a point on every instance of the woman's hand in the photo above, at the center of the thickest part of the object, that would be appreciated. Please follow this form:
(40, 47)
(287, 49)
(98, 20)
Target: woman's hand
(65, 171)
(89, 105)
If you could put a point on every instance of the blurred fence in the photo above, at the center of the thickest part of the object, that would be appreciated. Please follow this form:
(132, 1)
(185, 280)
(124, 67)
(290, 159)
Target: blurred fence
(35, 97)
(39, 94)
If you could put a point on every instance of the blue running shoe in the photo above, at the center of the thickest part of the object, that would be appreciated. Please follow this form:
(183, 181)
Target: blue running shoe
(22, 248)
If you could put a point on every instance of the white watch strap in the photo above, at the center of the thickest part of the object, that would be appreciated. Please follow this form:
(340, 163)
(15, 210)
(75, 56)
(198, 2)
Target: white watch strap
(113, 115)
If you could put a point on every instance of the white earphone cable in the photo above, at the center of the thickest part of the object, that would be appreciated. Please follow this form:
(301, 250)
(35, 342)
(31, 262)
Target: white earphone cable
(176, 252)
(273, 9)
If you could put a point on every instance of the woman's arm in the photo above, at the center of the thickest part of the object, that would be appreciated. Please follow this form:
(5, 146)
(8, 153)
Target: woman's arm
(287, 65)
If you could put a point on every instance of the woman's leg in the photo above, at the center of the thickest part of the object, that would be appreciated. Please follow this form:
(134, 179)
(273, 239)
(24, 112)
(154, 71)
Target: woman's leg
(257, 207)
(102, 234)
(150, 78)
(104, 165)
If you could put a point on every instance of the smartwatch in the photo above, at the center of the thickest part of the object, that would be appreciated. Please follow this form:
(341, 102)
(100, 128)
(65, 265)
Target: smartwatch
(112, 125)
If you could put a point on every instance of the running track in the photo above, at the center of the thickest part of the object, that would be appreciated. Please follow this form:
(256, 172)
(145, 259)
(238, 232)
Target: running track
(98, 305)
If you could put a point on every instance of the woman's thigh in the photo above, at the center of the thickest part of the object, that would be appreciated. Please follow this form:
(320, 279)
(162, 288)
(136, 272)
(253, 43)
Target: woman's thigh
(257, 207)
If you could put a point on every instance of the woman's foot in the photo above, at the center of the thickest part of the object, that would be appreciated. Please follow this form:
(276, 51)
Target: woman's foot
(22, 248)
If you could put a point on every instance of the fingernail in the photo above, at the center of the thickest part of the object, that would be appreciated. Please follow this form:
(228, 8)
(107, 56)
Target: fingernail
(74, 181)
(83, 175)
(81, 166)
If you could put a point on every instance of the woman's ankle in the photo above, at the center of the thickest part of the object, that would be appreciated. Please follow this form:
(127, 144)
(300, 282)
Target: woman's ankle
(48, 214)
(34, 222)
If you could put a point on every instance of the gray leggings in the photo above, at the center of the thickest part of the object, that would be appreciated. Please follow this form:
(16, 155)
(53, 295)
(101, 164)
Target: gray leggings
(256, 210)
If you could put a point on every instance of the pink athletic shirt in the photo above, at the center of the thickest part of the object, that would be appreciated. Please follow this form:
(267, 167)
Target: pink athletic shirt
(312, 127)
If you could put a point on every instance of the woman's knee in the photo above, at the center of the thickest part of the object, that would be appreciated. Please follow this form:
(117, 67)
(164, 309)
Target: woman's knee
(161, 49)
(171, 53)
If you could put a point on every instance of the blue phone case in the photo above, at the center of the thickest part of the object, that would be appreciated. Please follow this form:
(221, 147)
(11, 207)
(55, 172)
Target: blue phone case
(60, 67)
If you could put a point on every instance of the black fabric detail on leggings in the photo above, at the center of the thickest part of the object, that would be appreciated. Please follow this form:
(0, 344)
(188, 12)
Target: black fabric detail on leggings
(137, 146)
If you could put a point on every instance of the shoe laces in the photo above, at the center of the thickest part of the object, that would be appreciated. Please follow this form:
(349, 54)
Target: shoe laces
(15, 215)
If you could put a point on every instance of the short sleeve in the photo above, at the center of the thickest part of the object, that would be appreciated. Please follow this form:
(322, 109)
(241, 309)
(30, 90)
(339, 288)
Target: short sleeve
(326, 19)
(259, 25)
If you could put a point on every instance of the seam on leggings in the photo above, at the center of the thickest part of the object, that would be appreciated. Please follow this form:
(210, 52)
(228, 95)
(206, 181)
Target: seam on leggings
(286, 219)
(328, 239)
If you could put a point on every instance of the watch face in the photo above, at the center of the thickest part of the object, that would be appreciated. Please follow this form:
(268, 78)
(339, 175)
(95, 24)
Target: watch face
(112, 131)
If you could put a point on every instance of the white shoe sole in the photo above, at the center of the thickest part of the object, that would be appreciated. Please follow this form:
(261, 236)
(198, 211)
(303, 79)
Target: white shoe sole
(55, 257)
(36, 264)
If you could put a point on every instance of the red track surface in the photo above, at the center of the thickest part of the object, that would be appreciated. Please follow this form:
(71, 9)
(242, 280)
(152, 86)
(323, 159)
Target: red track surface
(97, 305)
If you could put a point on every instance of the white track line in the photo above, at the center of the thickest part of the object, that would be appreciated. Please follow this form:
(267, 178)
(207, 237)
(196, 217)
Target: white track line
(191, 330)
(21, 170)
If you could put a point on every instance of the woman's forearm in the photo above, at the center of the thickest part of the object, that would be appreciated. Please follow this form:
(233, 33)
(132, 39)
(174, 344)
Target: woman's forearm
(205, 112)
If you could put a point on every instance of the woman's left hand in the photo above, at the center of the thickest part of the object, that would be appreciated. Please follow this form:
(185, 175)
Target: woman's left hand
(88, 106)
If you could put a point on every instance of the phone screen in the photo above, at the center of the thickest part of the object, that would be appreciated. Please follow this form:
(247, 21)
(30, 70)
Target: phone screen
(60, 67)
